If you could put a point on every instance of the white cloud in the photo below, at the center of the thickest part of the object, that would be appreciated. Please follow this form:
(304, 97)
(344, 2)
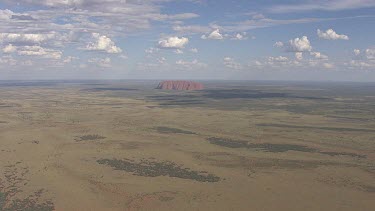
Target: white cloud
(214, 35)
(191, 29)
(273, 62)
(6, 14)
(173, 42)
(365, 59)
(331, 5)
(357, 52)
(178, 51)
(328, 65)
(240, 36)
(8, 60)
(362, 64)
(25, 38)
(278, 44)
(56, 3)
(228, 59)
(123, 56)
(103, 43)
(217, 35)
(152, 50)
(370, 53)
(231, 63)
(162, 60)
(194, 50)
(318, 55)
(69, 59)
(300, 44)
(285, 63)
(39, 51)
(330, 34)
(191, 64)
(9, 49)
(278, 59)
(27, 63)
(258, 16)
(102, 62)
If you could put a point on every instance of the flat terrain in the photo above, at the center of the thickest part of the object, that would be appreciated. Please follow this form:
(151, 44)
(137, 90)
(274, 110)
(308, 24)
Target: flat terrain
(122, 145)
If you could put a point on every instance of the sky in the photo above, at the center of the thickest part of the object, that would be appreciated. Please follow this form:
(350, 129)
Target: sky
(314, 40)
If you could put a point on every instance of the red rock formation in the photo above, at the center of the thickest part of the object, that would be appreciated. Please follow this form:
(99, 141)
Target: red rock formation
(180, 85)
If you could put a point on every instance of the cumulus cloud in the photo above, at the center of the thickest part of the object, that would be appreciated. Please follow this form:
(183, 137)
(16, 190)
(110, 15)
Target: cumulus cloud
(152, 50)
(103, 43)
(361, 64)
(9, 49)
(365, 59)
(357, 52)
(190, 64)
(240, 36)
(173, 42)
(178, 51)
(274, 62)
(278, 44)
(300, 44)
(8, 60)
(328, 65)
(278, 59)
(318, 55)
(6, 14)
(258, 16)
(231, 63)
(370, 53)
(39, 51)
(161, 60)
(299, 56)
(332, 5)
(330, 34)
(194, 50)
(285, 63)
(214, 35)
(101, 62)
(192, 29)
(69, 59)
(25, 38)
(217, 35)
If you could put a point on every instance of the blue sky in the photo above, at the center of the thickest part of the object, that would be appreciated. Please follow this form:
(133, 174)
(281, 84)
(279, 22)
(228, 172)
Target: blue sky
(188, 39)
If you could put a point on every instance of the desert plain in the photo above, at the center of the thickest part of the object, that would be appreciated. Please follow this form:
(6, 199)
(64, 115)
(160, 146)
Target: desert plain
(237, 145)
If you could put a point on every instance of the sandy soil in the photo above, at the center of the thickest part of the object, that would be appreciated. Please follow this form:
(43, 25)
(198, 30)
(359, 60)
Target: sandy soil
(62, 148)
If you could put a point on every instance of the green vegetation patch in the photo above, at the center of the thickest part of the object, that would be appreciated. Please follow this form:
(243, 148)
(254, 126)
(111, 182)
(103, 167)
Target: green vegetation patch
(261, 146)
(227, 160)
(148, 168)
(28, 204)
(368, 188)
(343, 154)
(173, 130)
(91, 137)
(268, 147)
(3, 198)
(340, 129)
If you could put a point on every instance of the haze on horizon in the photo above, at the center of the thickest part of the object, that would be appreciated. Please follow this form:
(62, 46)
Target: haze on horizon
(187, 39)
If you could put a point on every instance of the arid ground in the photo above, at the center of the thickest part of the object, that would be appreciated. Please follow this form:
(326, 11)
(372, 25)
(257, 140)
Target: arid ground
(122, 145)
